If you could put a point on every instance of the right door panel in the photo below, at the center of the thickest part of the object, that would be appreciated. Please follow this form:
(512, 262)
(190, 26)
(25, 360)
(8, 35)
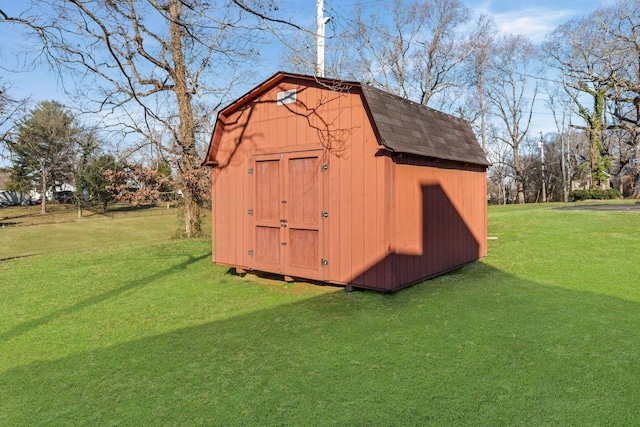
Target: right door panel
(303, 195)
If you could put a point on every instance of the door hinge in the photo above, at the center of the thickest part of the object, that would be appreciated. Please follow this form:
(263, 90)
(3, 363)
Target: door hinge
(324, 262)
(250, 212)
(324, 167)
(250, 252)
(250, 171)
(324, 214)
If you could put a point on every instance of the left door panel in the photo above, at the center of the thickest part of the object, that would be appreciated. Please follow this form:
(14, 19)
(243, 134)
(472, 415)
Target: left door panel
(268, 251)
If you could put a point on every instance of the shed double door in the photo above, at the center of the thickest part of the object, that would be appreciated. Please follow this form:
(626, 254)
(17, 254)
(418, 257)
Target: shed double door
(288, 215)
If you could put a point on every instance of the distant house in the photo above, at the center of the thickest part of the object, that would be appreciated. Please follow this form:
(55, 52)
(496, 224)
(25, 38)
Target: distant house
(10, 197)
(343, 183)
(61, 193)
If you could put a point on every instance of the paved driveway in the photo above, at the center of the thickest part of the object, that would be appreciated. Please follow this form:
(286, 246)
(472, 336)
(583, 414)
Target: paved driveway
(602, 207)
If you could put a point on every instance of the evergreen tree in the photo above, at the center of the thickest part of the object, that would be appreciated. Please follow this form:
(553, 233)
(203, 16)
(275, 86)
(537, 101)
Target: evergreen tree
(43, 152)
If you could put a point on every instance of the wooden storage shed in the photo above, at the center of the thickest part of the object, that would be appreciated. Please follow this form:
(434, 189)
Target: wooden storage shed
(343, 183)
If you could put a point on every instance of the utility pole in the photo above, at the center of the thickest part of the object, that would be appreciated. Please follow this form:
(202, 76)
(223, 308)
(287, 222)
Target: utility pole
(544, 181)
(321, 21)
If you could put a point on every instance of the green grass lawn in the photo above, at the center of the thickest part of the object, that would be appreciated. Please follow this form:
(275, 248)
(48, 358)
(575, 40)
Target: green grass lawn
(140, 329)
(25, 232)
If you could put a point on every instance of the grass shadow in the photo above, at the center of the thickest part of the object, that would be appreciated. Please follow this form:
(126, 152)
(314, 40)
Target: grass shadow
(497, 350)
(96, 299)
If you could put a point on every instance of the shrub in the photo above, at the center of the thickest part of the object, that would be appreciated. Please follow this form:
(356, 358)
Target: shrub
(595, 194)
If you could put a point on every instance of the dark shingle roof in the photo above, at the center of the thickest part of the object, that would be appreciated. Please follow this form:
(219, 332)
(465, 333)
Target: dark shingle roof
(408, 127)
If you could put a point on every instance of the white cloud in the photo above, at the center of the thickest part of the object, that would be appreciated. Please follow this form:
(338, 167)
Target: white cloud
(521, 17)
(533, 23)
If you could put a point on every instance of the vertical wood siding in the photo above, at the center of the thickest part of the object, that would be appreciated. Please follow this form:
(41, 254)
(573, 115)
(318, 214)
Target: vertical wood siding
(440, 218)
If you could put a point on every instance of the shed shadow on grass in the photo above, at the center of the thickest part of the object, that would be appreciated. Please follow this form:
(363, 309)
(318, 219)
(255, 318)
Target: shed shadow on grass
(30, 325)
(495, 350)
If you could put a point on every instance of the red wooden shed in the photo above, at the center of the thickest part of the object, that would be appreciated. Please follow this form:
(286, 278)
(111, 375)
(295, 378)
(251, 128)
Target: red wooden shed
(343, 183)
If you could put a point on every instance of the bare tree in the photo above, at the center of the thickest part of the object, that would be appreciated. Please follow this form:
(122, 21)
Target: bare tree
(386, 41)
(499, 176)
(620, 26)
(599, 56)
(411, 48)
(143, 64)
(513, 92)
(560, 105)
(441, 48)
(481, 48)
(595, 125)
(10, 109)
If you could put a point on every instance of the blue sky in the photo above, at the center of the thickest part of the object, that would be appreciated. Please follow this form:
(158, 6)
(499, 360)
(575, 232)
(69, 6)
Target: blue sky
(533, 19)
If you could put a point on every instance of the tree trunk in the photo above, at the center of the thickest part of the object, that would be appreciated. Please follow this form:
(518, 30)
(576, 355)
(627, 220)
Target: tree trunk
(520, 187)
(635, 189)
(43, 204)
(187, 143)
(519, 174)
(635, 184)
(483, 112)
(504, 191)
(594, 155)
(563, 169)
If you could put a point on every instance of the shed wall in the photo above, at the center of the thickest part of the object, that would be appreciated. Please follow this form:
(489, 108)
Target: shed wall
(440, 218)
(360, 188)
(356, 194)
